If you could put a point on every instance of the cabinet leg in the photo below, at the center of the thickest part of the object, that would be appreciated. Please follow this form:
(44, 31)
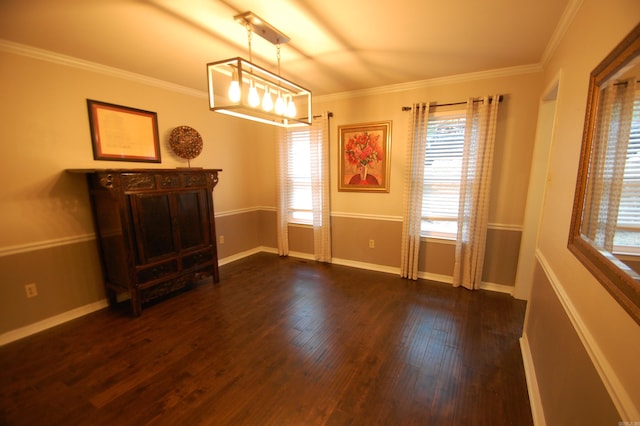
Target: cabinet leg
(136, 305)
(216, 274)
(112, 298)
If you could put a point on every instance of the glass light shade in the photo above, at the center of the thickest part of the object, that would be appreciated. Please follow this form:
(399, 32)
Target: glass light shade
(234, 89)
(291, 108)
(293, 102)
(279, 105)
(267, 102)
(254, 98)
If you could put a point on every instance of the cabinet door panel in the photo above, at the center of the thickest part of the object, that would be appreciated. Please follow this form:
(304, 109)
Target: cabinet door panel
(192, 218)
(154, 228)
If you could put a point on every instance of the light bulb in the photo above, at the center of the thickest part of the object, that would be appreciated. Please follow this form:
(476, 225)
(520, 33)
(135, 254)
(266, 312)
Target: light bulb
(267, 102)
(279, 105)
(254, 98)
(291, 108)
(234, 89)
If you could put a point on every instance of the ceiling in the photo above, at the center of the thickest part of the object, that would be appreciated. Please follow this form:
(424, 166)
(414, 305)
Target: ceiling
(336, 45)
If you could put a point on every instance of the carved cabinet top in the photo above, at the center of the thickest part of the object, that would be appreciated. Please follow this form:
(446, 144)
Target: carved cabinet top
(152, 179)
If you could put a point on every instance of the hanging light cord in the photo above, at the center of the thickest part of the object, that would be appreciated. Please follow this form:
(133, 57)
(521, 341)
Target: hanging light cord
(278, 56)
(249, 42)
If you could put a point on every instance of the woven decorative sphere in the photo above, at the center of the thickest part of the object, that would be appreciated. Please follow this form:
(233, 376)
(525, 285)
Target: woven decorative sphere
(185, 142)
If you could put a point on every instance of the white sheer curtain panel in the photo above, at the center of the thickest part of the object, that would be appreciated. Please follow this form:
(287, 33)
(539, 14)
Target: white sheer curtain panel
(282, 199)
(477, 164)
(611, 142)
(413, 187)
(320, 188)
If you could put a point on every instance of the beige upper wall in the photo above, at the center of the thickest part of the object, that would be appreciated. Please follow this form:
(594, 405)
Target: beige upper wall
(46, 131)
(46, 122)
(514, 144)
(614, 336)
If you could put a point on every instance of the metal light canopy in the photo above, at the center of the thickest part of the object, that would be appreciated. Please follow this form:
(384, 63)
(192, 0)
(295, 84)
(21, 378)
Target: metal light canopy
(261, 27)
(240, 88)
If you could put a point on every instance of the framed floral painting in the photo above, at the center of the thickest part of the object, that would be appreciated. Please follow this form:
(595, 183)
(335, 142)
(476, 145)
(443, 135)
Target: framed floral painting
(364, 157)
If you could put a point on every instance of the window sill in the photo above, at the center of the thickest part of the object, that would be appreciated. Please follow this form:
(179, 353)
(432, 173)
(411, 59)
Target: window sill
(626, 254)
(300, 225)
(438, 240)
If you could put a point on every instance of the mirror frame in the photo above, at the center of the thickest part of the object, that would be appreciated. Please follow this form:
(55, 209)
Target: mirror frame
(620, 280)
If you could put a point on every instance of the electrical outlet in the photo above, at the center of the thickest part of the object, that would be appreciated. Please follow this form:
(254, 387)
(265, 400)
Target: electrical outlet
(31, 289)
(372, 243)
(221, 239)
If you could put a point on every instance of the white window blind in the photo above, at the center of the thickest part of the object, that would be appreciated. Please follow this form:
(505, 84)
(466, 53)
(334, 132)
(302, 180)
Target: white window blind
(628, 225)
(442, 173)
(299, 198)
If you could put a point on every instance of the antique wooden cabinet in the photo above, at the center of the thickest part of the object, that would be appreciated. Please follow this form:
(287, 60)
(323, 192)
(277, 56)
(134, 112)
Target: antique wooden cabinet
(155, 228)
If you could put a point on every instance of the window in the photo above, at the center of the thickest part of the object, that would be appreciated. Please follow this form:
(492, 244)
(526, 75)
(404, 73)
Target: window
(627, 236)
(442, 174)
(299, 203)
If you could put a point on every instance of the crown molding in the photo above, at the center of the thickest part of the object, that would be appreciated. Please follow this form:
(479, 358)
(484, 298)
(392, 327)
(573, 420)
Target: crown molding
(70, 61)
(563, 25)
(440, 81)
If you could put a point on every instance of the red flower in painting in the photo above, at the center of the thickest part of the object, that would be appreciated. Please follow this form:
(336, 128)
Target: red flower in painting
(363, 149)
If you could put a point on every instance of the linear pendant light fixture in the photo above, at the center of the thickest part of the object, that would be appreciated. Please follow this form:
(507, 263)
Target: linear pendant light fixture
(241, 88)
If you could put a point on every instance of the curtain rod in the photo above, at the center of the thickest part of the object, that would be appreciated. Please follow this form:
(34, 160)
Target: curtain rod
(624, 83)
(329, 114)
(408, 108)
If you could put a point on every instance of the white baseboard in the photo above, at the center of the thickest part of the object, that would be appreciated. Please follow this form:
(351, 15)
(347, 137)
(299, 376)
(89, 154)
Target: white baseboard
(300, 255)
(39, 326)
(30, 329)
(242, 255)
(535, 401)
(500, 288)
(484, 285)
(22, 332)
(365, 265)
(445, 279)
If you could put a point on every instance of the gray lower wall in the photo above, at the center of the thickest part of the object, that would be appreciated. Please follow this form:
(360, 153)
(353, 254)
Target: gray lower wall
(241, 232)
(69, 276)
(570, 388)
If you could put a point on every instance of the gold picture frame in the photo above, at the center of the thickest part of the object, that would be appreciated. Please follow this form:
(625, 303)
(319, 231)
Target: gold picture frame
(365, 157)
(121, 133)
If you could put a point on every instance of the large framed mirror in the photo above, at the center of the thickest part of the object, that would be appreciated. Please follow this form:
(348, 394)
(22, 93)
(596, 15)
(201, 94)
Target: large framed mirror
(605, 223)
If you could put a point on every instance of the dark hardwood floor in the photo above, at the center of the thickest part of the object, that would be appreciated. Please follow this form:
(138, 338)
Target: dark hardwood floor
(279, 342)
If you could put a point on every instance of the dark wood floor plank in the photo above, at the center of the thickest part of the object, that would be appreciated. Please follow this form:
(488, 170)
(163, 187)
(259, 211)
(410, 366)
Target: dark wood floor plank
(279, 341)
